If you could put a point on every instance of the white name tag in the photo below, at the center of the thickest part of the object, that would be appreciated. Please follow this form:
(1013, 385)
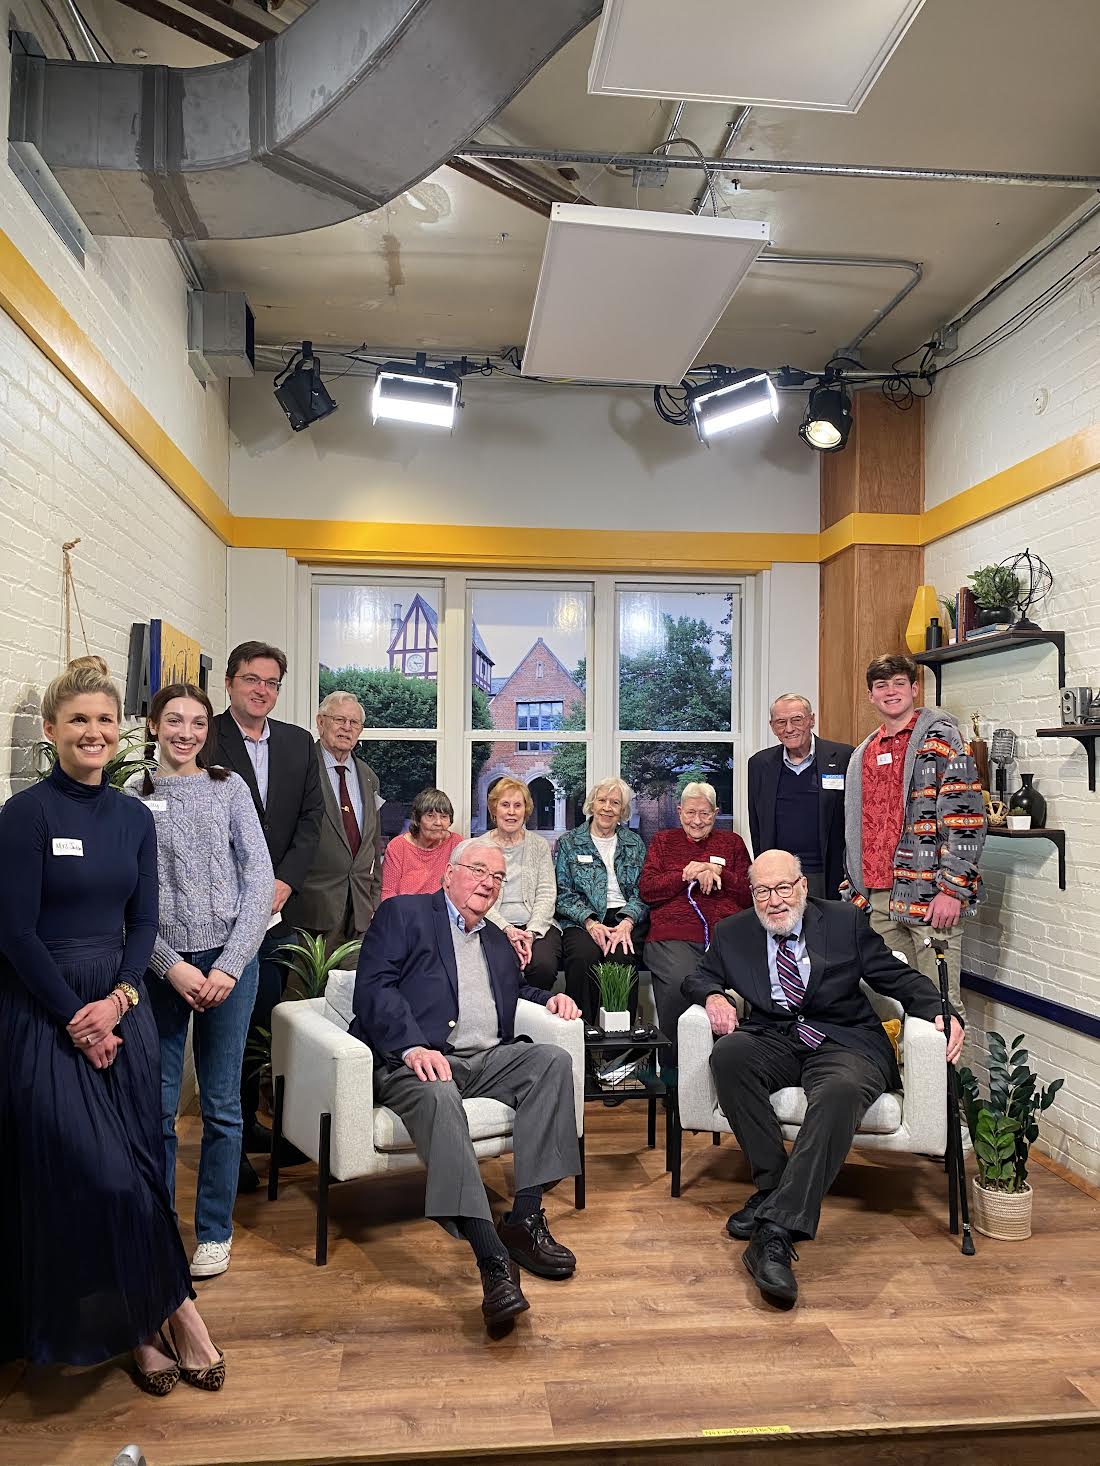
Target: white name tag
(68, 847)
(716, 860)
(158, 806)
(834, 781)
(886, 758)
(584, 860)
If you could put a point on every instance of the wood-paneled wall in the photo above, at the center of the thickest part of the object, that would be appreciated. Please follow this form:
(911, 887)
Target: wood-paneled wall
(867, 590)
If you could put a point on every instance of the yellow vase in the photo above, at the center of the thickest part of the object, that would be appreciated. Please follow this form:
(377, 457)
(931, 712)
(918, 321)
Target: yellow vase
(926, 604)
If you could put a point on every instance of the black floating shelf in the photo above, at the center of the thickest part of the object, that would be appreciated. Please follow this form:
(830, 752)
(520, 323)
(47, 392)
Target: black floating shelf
(1056, 837)
(986, 646)
(1086, 735)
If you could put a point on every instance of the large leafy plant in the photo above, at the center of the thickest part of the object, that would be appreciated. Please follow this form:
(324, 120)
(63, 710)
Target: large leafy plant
(996, 586)
(310, 966)
(130, 759)
(1004, 1125)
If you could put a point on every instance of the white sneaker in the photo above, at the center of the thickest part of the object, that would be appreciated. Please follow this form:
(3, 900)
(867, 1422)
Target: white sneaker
(210, 1259)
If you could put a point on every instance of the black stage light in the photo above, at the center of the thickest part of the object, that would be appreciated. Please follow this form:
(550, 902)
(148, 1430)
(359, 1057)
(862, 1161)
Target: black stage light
(731, 401)
(300, 392)
(828, 419)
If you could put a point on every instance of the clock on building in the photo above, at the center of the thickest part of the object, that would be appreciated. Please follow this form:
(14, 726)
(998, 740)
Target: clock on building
(414, 662)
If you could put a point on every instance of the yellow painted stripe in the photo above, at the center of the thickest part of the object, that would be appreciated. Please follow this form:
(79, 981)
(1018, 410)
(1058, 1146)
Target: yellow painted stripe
(26, 297)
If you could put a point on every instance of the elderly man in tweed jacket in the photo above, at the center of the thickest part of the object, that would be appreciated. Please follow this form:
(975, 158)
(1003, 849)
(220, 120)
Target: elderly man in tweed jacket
(914, 823)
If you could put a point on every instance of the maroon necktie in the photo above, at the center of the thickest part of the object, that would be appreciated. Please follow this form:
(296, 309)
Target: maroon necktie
(347, 813)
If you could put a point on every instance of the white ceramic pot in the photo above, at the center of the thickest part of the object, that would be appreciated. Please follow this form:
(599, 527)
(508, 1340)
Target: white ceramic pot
(617, 1022)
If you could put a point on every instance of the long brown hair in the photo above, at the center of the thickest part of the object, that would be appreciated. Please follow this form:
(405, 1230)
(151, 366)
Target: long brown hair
(156, 709)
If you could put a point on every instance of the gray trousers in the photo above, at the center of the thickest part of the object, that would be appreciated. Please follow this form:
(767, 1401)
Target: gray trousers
(910, 942)
(536, 1080)
(669, 964)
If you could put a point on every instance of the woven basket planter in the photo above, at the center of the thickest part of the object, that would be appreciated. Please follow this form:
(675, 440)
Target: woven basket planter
(1002, 1214)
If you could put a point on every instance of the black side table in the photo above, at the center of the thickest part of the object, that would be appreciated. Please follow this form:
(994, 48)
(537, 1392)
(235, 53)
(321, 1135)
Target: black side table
(608, 1051)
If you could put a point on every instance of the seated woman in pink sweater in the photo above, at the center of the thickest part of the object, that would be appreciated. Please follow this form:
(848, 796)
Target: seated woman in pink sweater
(414, 863)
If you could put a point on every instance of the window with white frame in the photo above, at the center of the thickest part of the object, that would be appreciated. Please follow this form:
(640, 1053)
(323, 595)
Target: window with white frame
(455, 674)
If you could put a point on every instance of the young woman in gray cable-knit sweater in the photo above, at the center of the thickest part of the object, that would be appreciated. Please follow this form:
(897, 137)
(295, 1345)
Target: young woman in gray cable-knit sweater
(216, 885)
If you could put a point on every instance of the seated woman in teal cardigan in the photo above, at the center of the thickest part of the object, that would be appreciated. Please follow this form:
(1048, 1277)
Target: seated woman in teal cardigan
(598, 866)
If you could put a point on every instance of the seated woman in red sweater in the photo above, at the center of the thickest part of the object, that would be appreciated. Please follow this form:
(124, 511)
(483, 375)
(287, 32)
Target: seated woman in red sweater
(691, 879)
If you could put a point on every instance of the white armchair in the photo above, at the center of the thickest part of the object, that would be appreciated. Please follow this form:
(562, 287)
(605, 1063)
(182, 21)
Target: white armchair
(324, 1095)
(913, 1118)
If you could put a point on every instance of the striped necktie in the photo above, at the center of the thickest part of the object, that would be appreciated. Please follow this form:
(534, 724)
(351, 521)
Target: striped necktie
(794, 990)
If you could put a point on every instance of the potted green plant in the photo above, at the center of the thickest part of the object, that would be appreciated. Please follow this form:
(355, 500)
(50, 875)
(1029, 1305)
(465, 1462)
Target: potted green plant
(130, 759)
(310, 967)
(615, 981)
(1003, 1125)
(997, 593)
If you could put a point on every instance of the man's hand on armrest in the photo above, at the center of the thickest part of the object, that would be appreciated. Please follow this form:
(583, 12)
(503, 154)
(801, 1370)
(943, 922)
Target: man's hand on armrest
(722, 1014)
(427, 1063)
(563, 1006)
(955, 1039)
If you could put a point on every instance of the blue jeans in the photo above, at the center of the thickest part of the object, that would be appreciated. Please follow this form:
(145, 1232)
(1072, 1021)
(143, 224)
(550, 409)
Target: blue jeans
(218, 1044)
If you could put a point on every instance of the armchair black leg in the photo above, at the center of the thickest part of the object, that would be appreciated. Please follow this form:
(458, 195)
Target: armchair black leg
(673, 1143)
(716, 1137)
(578, 1183)
(651, 1136)
(276, 1139)
(321, 1252)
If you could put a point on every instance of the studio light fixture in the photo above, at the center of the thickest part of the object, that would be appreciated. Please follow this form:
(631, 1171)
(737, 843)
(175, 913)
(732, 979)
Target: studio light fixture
(416, 393)
(828, 419)
(300, 392)
(731, 401)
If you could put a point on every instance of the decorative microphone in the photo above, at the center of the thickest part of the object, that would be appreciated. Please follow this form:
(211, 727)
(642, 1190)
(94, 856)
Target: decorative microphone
(1002, 750)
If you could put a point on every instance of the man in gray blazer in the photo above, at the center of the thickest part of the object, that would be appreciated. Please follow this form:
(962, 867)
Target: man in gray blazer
(342, 890)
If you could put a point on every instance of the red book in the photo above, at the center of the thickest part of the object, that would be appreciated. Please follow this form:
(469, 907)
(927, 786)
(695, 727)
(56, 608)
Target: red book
(966, 617)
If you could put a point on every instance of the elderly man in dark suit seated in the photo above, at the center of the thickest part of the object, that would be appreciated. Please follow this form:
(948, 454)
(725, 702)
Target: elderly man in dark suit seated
(798, 963)
(435, 999)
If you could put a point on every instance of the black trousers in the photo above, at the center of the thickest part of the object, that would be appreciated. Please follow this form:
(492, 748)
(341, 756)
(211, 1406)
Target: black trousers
(580, 955)
(273, 977)
(542, 970)
(670, 963)
(840, 1084)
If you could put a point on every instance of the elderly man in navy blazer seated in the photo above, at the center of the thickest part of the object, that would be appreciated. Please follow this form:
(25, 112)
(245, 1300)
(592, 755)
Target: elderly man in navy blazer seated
(798, 963)
(435, 999)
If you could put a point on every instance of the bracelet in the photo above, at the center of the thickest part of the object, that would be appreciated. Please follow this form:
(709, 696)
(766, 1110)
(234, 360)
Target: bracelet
(118, 1006)
(125, 990)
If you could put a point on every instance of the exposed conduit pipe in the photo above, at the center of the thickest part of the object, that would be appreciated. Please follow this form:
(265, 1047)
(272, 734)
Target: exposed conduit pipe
(560, 157)
(732, 134)
(82, 30)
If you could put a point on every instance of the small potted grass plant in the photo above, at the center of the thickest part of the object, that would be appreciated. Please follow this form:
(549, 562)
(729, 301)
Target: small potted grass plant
(615, 981)
(1003, 1126)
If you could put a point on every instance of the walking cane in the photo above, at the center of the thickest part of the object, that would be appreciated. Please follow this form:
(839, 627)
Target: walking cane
(956, 1163)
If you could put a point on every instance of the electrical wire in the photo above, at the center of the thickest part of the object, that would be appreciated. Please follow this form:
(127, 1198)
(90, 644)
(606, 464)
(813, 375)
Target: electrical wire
(88, 27)
(46, 6)
(703, 161)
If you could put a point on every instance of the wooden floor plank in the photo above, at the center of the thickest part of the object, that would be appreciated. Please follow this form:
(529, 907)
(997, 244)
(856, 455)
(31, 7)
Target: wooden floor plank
(660, 1336)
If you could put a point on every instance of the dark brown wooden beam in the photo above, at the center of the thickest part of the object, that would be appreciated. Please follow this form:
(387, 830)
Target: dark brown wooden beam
(187, 25)
(243, 22)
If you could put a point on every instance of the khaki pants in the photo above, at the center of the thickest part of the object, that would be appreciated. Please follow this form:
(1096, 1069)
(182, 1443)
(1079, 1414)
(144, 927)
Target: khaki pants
(910, 942)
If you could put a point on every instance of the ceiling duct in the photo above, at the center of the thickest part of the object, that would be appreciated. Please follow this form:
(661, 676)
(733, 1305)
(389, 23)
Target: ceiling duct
(340, 113)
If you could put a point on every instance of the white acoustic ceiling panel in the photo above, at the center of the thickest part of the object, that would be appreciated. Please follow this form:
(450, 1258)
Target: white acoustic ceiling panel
(626, 295)
(787, 53)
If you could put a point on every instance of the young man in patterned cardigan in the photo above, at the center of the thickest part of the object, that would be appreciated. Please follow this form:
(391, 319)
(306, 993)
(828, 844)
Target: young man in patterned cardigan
(914, 823)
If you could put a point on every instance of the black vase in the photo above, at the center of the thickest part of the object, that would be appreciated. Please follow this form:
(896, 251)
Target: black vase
(1028, 800)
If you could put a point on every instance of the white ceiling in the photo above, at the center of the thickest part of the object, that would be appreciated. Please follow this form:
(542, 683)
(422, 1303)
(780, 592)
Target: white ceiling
(452, 266)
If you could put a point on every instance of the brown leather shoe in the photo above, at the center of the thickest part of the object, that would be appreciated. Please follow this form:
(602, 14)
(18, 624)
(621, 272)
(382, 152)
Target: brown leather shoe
(503, 1296)
(530, 1244)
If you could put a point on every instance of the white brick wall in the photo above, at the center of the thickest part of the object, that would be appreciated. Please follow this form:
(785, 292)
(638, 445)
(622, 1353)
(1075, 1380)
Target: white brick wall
(1030, 935)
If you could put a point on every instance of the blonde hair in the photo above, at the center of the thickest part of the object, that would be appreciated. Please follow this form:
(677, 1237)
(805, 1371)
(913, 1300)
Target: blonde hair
(699, 790)
(625, 793)
(82, 676)
(505, 786)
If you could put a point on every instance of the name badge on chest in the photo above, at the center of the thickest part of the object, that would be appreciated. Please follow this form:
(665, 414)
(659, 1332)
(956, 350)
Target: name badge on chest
(885, 758)
(584, 860)
(68, 847)
(716, 860)
(834, 781)
(158, 806)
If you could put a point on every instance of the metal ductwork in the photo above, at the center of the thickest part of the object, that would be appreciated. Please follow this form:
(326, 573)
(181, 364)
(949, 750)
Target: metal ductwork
(343, 111)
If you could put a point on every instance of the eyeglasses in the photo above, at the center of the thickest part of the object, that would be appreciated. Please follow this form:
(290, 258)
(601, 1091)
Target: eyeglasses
(799, 721)
(251, 681)
(482, 872)
(785, 890)
(340, 722)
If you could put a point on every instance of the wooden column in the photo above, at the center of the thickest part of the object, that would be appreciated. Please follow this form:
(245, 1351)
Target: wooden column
(867, 590)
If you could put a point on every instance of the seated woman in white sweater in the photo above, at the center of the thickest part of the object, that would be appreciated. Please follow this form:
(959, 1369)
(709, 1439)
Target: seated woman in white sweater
(216, 885)
(524, 910)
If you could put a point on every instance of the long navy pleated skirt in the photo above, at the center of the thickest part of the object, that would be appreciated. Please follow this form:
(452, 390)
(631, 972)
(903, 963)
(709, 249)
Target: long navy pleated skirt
(91, 1260)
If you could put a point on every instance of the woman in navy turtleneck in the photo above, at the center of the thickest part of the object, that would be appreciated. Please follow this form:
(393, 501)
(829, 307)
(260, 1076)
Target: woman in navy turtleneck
(93, 1264)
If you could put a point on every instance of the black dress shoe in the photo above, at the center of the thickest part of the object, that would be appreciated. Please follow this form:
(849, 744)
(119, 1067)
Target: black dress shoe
(530, 1244)
(743, 1223)
(256, 1139)
(290, 1155)
(247, 1180)
(768, 1260)
(503, 1297)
